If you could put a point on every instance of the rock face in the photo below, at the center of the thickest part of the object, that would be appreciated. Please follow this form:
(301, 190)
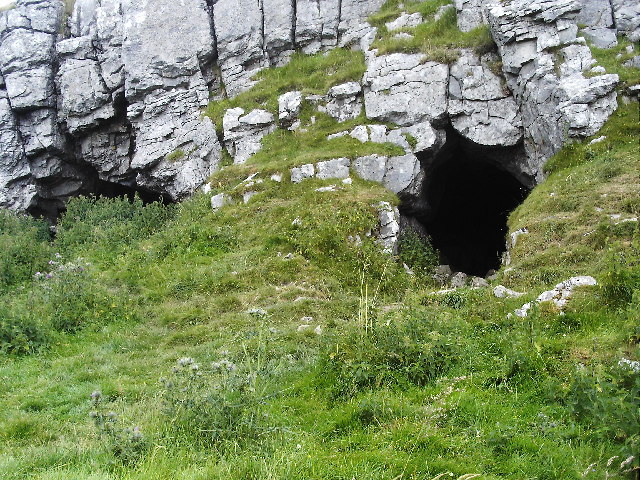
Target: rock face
(113, 93)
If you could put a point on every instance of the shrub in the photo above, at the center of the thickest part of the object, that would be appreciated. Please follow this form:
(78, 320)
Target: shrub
(417, 252)
(20, 331)
(108, 225)
(406, 352)
(125, 443)
(24, 248)
(623, 278)
(216, 405)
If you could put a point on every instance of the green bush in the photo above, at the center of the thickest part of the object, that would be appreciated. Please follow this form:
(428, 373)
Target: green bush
(623, 278)
(607, 400)
(417, 252)
(24, 248)
(104, 226)
(407, 352)
(21, 332)
(215, 405)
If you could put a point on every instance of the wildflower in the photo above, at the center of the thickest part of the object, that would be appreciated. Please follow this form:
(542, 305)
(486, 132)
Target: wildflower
(51, 262)
(184, 361)
(195, 367)
(49, 275)
(95, 395)
(57, 255)
(136, 434)
(37, 275)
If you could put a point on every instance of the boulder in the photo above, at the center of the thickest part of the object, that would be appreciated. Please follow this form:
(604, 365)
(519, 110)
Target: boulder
(405, 20)
(303, 172)
(389, 229)
(404, 89)
(243, 133)
(336, 168)
(481, 107)
(289, 105)
(344, 101)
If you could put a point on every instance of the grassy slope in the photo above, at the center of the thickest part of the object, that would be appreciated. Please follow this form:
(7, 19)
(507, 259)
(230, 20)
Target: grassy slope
(497, 400)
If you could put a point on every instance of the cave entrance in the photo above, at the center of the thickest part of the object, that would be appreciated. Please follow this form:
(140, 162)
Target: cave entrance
(116, 190)
(465, 201)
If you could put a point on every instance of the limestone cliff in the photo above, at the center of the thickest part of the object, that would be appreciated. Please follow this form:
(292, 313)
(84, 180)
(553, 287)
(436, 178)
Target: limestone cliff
(112, 92)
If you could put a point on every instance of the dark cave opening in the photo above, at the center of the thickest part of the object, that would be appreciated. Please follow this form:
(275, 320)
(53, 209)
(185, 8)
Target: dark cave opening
(116, 190)
(466, 199)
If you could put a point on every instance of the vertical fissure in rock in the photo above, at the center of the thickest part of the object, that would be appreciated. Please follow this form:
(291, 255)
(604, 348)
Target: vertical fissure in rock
(294, 21)
(468, 193)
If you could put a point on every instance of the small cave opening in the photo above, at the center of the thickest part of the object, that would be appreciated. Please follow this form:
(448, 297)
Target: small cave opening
(466, 198)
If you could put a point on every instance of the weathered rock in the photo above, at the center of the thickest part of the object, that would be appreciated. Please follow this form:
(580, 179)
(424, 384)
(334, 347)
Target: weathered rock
(403, 89)
(303, 172)
(481, 107)
(344, 102)
(16, 187)
(442, 274)
(501, 291)
(336, 168)
(405, 20)
(403, 174)
(553, 109)
(626, 15)
(371, 167)
(595, 13)
(601, 37)
(459, 280)
(220, 200)
(471, 14)
(243, 133)
(560, 295)
(289, 105)
(389, 230)
(238, 27)
(478, 282)
(316, 24)
(277, 28)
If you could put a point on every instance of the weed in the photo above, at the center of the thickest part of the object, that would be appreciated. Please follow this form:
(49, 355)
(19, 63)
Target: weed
(417, 252)
(126, 444)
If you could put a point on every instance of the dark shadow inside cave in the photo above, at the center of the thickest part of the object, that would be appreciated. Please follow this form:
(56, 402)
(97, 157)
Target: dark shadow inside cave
(465, 202)
(115, 190)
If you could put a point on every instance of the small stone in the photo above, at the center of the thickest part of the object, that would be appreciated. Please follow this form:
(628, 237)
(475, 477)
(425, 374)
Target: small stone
(597, 140)
(247, 196)
(219, 200)
(303, 172)
(318, 330)
(276, 177)
(458, 280)
(503, 292)
(297, 222)
(478, 282)
(442, 274)
(347, 181)
(329, 188)
(304, 327)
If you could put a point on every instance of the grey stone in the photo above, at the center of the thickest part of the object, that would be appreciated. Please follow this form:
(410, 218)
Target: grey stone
(289, 105)
(403, 89)
(344, 102)
(426, 137)
(303, 172)
(459, 280)
(601, 37)
(503, 292)
(595, 13)
(243, 133)
(480, 106)
(238, 27)
(442, 274)
(316, 24)
(402, 173)
(405, 20)
(278, 19)
(336, 168)
(626, 15)
(478, 282)
(389, 229)
(371, 167)
(470, 14)
(219, 200)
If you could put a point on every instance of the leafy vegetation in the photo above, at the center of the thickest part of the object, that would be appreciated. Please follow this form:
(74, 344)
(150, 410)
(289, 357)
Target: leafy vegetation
(440, 40)
(257, 341)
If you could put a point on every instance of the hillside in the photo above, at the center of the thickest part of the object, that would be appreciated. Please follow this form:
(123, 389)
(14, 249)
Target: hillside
(269, 327)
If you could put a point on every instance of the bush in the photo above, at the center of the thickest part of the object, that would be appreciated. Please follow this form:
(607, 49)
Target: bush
(216, 405)
(20, 331)
(623, 278)
(417, 252)
(126, 444)
(24, 248)
(69, 298)
(407, 352)
(607, 399)
(108, 225)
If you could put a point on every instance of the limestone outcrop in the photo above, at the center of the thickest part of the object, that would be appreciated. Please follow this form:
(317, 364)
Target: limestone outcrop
(111, 94)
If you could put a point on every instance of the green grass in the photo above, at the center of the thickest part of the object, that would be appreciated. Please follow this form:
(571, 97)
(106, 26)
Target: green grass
(400, 384)
(311, 74)
(440, 40)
